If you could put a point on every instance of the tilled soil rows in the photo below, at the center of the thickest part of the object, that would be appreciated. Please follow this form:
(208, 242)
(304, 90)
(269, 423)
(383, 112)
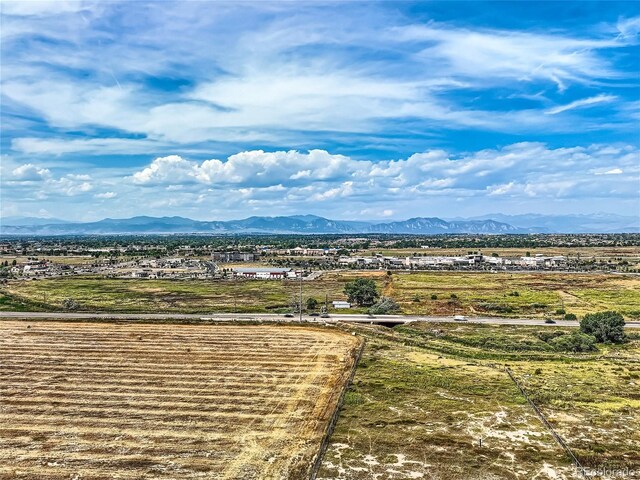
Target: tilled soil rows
(124, 401)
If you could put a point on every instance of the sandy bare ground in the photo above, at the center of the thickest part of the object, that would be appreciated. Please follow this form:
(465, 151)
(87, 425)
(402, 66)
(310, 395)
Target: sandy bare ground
(122, 401)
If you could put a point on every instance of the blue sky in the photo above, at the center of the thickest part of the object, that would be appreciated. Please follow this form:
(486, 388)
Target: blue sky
(218, 110)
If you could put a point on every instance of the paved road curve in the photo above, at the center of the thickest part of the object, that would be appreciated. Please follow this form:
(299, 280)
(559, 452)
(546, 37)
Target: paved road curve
(271, 317)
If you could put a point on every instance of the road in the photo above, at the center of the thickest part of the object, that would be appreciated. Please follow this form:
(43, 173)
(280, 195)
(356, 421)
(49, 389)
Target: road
(272, 317)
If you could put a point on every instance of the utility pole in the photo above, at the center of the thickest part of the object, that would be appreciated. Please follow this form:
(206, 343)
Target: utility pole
(301, 295)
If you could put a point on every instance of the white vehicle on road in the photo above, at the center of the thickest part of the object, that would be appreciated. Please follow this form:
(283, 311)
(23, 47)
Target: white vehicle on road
(460, 318)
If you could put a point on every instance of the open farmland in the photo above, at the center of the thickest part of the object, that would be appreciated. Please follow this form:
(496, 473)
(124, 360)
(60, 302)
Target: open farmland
(506, 294)
(184, 296)
(514, 294)
(95, 400)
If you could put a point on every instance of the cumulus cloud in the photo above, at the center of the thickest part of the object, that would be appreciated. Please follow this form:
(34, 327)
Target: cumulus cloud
(29, 172)
(283, 182)
(42, 182)
(252, 168)
(526, 169)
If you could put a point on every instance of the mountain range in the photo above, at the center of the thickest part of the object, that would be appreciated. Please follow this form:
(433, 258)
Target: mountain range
(312, 224)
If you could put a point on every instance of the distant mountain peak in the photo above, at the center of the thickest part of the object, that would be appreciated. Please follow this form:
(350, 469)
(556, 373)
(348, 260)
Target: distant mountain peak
(313, 224)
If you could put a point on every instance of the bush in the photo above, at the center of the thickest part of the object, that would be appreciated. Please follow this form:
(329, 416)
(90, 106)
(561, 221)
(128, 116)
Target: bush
(514, 294)
(312, 303)
(574, 342)
(434, 297)
(560, 311)
(453, 296)
(70, 304)
(384, 306)
(570, 316)
(494, 307)
(606, 327)
(547, 336)
(416, 298)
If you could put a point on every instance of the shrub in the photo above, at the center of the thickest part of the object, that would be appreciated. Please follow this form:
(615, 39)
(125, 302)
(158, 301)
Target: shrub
(560, 311)
(312, 303)
(384, 306)
(606, 327)
(538, 305)
(70, 304)
(547, 336)
(574, 342)
(453, 296)
(494, 307)
(416, 298)
(514, 294)
(434, 296)
(570, 316)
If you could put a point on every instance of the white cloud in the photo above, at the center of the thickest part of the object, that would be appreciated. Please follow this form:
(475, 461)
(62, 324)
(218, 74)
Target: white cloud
(629, 27)
(523, 169)
(255, 168)
(29, 172)
(100, 146)
(106, 195)
(40, 7)
(269, 93)
(585, 102)
(282, 182)
(613, 171)
(495, 56)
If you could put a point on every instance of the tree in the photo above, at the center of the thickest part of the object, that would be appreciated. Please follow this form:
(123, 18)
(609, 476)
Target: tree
(361, 291)
(312, 303)
(606, 327)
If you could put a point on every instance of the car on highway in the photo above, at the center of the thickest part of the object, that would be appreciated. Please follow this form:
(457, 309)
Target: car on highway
(460, 318)
(288, 315)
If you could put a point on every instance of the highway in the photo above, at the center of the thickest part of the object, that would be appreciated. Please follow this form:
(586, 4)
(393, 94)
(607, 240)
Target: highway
(272, 317)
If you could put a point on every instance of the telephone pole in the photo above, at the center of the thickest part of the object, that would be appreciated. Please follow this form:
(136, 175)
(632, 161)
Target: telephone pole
(301, 295)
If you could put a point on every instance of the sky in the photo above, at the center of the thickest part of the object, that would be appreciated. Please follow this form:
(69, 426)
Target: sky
(349, 110)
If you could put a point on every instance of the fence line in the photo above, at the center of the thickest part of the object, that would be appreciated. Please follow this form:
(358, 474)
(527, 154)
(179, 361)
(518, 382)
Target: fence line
(546, 423)
(334, 418)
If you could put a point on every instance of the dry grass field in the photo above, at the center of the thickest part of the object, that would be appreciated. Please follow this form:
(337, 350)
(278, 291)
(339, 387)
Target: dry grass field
(424, 395)
(97, 401)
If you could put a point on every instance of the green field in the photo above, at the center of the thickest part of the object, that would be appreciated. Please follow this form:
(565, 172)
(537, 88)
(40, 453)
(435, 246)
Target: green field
(499, 294)
(424, 395)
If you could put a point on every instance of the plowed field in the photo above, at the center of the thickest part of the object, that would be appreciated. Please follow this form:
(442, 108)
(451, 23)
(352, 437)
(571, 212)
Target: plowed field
(125, 401)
